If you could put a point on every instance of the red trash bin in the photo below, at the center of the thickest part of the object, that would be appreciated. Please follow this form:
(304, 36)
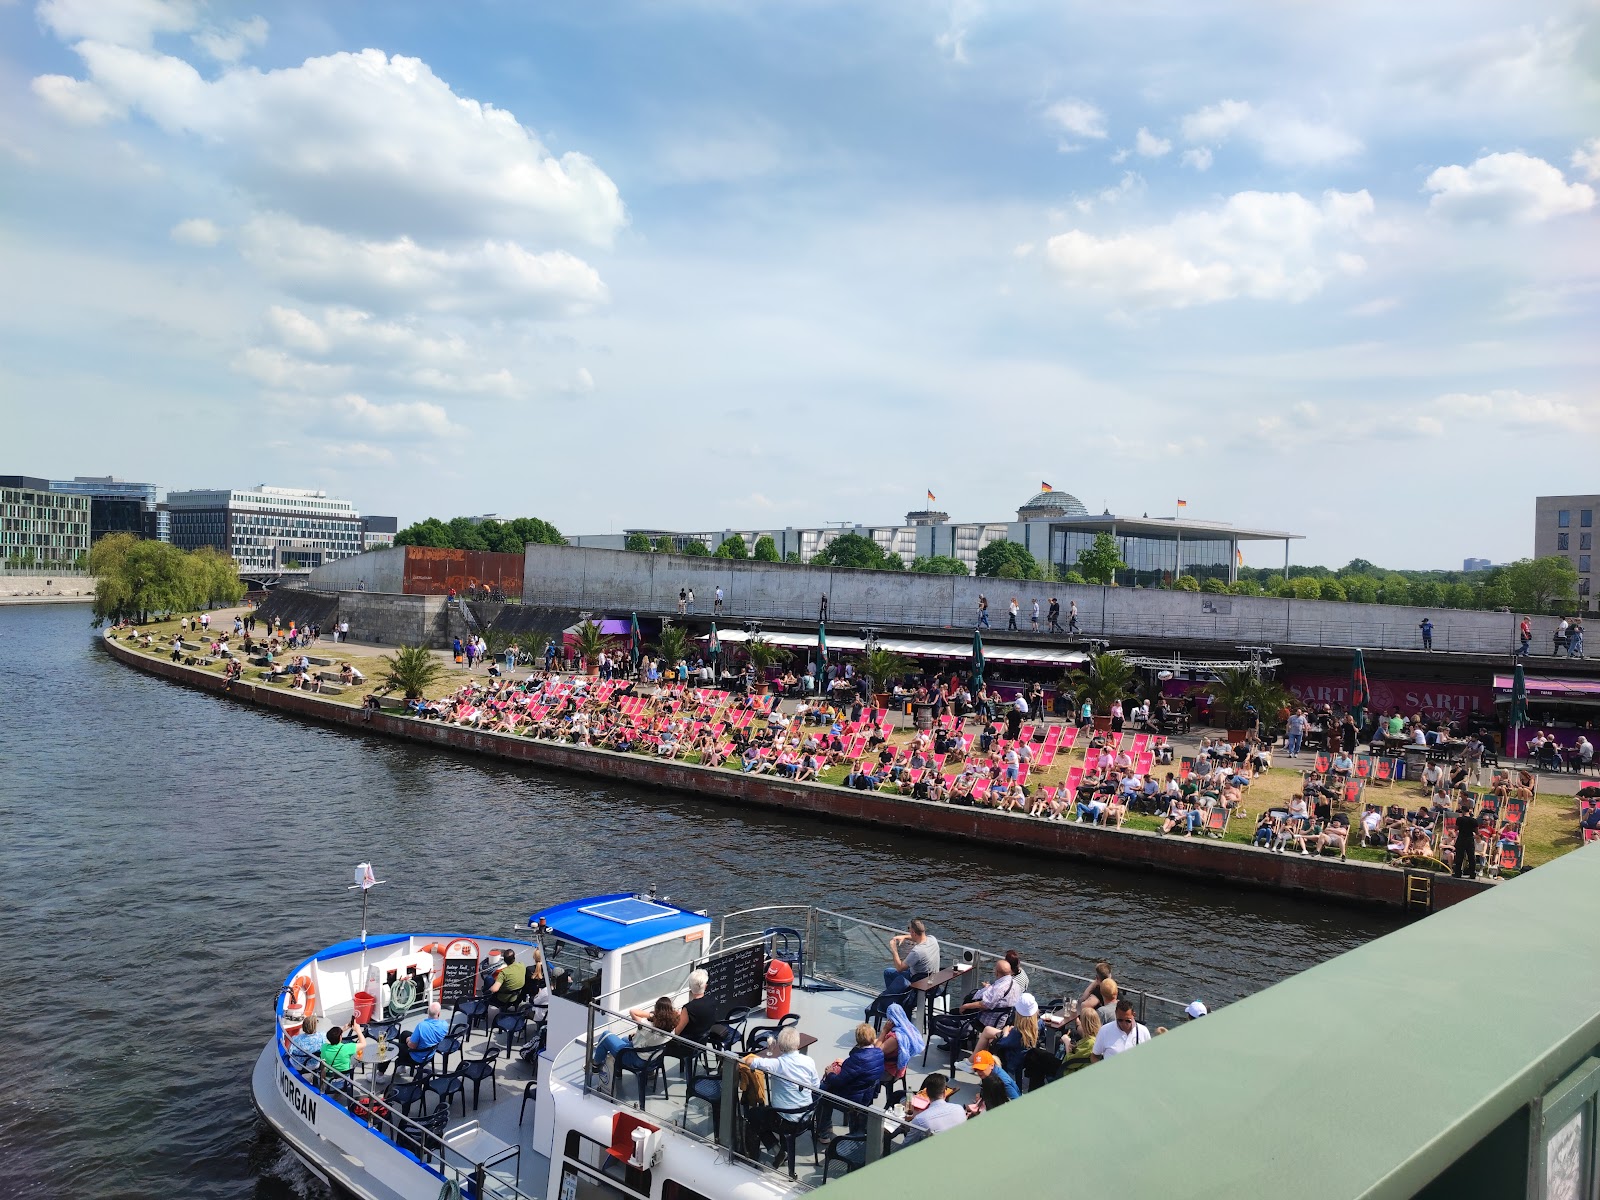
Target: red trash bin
(780, 978)
(365, 1003)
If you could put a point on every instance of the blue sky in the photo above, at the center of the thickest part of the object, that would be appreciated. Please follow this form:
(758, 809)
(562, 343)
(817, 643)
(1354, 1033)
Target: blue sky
(1326, 268)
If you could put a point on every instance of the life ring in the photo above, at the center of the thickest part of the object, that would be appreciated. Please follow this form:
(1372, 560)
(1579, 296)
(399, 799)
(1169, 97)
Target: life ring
(437, 950)
(302, 997)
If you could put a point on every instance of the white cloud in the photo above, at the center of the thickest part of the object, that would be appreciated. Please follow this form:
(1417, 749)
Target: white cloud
(76, 100)
(361, 142)
(1375, 307)
(1506, 187)
(951, 41)
(1078, 118)
(1586, 159)
(584, 381)
(1519, 410)
(1022, 249)
(721, 155)
(230, 43)
(414, 419)
(121, 22)
(1261, 245)
(1279, 137)
(196, 231)
(1199, 158)
(1131, 184)
(401, 275)
(1149, 145)
(276, 369)
(351, 333)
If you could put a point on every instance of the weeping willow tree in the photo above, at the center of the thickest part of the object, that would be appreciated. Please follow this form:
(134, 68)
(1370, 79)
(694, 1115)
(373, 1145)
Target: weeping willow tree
(137, 577)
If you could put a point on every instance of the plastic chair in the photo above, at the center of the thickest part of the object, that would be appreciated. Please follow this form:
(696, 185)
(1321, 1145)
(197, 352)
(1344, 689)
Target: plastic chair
(706, 1087)
(757, 1036)
(475, 1011)
(531, 1092)
(451, 1083)
(476, 1070)
(512, 1024)
(446, 1047)
(404, 1095)
(879, 1008)
(647, 1065)
(851, 1150)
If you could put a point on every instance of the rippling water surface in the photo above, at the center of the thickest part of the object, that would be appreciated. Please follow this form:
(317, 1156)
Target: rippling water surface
(169, 855)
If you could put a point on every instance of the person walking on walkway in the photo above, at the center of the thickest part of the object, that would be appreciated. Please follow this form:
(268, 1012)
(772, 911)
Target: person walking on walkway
(1524, 637)
(822, 609)
(1427, 633)
(1036, 614)
(1011, 614)
(1072, 617)
(1575, 638)
(983, 612)
(683, 600)
(1054, 615)
(716, 604)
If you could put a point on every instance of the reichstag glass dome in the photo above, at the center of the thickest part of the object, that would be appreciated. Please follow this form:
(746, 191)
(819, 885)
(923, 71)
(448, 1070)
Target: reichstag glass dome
(1052, 504)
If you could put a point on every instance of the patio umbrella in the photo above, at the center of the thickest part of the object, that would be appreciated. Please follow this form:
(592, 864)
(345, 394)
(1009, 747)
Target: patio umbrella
(822, 657)
(977, 662)
(635, 641)
(1360, 689)
(1519, 709)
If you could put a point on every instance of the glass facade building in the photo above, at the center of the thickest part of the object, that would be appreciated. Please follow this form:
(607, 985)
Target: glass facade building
(41, 529)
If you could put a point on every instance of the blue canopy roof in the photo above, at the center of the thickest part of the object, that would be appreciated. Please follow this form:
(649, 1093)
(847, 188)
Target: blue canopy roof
(617, 920)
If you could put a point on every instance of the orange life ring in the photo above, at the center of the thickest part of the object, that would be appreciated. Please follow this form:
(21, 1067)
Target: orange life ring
(437, 950)
(302, 997)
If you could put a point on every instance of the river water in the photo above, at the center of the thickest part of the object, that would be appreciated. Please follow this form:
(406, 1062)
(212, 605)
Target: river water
(168, 855)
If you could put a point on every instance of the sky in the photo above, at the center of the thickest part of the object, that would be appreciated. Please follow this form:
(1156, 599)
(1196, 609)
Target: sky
(703, 264)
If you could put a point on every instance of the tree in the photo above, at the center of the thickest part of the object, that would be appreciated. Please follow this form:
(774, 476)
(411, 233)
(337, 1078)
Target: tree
(638, 543)
(1332, 589)
(1427, 594)
(1186, 583)
(792, 557)
(1542, 584)
(1244, 587)
(135, 577)
(664, 545)
(1072, 575)
(590, 643)
(1395, 589)
(764, 655)
(432, 532)
(1361, 589)
(217, 576)
(766, 549)
(695, 548)
(1494, 594)
(939, 564)
(854, 550)
(1007, 560)
(1357, 566)
(1307, 587)
(463, 533)
(1460, 595)
(1110, 678)
(672, 643)
(411, 670)
(883, 665)
(732, 547)
(1283, 586)
(1100, 562)
(1213, 585)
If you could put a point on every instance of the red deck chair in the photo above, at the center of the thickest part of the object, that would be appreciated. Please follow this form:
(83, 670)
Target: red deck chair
(980, 790)
(1363, 766)
(1384, 772)
(1324, 764)
(1352, 792)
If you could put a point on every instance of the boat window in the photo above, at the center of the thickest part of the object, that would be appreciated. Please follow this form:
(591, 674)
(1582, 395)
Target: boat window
(590, 1171)
(577, 1184)
(661, 969)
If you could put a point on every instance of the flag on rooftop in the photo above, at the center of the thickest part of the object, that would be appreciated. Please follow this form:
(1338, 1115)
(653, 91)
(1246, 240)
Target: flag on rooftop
(1183, 504)
(931, 497)
(1045, 487)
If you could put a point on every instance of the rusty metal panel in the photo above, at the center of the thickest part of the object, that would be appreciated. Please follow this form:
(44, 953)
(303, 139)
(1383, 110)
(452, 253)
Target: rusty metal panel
(436, 572)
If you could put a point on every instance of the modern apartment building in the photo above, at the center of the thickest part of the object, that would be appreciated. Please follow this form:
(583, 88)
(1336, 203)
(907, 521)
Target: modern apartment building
(378, 532)
(40, 528)
(267, 528)
(1565, 525)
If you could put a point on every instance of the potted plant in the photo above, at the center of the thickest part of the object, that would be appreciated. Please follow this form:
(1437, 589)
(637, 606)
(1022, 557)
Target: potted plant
(1109, 679)
(764, 656)
(881, 666)
(1241, 702)
(590, 643)
(672, 643)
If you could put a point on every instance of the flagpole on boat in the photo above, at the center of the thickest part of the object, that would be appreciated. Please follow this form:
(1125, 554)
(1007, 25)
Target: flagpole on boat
(366, 881)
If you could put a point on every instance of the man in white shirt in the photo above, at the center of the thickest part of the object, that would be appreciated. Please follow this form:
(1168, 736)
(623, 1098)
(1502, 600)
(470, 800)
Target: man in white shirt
(937, 1113)
(1122, 1034)
(995, 999)
(792, 1083)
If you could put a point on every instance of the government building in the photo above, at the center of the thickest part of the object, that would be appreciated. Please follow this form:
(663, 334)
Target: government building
(1053, 526)
(267, 528)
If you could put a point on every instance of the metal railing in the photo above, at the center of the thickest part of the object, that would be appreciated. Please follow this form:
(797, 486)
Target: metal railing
(727, 1128)
(852, 952)
(366, 1105)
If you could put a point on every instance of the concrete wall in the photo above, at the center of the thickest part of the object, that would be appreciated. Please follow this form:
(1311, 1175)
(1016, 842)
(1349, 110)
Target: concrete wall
(391, 620)
(617, 581)
(77, 587)
(1197, 858)
(382, 571)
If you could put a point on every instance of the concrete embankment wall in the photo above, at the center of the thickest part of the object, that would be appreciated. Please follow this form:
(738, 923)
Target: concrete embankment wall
(616, 581)
(40, 589)
(1196, 858)
(391, 620)
(376, 570)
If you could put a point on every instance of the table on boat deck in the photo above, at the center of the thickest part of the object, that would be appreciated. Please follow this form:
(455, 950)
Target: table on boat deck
(382, 1055)
(933, 982)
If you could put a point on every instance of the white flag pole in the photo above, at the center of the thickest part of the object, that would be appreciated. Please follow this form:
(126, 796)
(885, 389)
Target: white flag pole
(366, 881)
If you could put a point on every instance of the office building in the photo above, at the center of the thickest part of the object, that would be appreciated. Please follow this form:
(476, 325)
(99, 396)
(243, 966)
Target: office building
(1475, 564)
(378, 532)
(1053, 526)
(1564, 525)
(267, 528)
(41, 529)
(118, 506)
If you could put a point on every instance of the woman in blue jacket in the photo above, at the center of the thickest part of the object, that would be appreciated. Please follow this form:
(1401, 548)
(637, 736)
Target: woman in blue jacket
(856, 1078)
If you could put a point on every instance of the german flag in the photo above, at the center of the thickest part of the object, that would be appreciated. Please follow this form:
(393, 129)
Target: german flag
(1045, 487)
(931, 497)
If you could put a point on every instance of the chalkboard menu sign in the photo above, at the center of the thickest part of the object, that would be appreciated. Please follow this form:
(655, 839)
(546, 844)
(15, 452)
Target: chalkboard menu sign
(735, 979)
(460, 979)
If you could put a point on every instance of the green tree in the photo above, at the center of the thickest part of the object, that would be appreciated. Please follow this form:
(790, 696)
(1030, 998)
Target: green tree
(1213, 585)
(854, 550)
(638, 543)
(1307, 587)
(1494, 594)
(1186, 583)
(766, 549)
(432, 532)
(462, 533)
(1461, 595)
(410, 670)
(764, 655)
(1358, 566)
(792, 557)
(1007, 560)
(1361, 589)
(1542, 584)
(533, 529)
(1427, 594)
(695, 548)
(665, 545)
(1073, 575)
(135, 577)
(216, 576)
(1110, 677)
(939, 564)
(590, 643)
(1332, 589)
(1283, 586)
(1244, 587)
(1100, 562)
(672, 643)
(732, 547)
(1395, 589)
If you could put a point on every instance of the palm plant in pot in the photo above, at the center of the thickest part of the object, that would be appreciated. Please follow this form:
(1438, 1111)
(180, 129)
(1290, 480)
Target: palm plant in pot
(881, 666)
(672, 643)
(590, 643)
(411, 670)
(763, 657)
(1110, 678)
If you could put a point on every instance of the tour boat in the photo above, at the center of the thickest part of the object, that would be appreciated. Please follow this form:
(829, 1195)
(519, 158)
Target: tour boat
(531, 1117)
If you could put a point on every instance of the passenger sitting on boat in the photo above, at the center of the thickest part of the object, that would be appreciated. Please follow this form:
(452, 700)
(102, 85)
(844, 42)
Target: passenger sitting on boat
(919, 959)
(339, 1054)
(306, 1046)
(930, 1109)
(511, 980)
(791, 1080)
(995, 1000)
(663, 1021)
(1094, 995)
(1079, 1056)
(417, 1048)
(700, 1014)
(856, 1077)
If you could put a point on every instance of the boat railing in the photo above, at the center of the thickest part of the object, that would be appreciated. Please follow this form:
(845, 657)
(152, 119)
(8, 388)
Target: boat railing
(358, 1096)
(721, 1123)
(852, 952)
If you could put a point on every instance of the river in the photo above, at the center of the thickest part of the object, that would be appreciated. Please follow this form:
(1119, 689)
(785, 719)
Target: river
(169, 855)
